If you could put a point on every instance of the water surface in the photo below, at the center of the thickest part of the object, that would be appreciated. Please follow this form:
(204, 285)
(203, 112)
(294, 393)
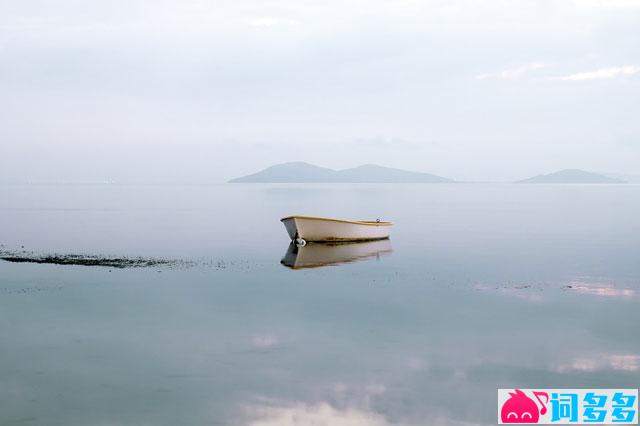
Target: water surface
(484, 286)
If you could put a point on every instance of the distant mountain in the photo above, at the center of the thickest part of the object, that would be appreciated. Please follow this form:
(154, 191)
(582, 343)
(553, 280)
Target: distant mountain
(378, 174)
(299, 172)
(288, 172)
(572, 176)
(624, 177)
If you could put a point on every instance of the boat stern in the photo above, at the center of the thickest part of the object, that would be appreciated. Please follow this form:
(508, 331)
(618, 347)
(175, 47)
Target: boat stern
(291, 227)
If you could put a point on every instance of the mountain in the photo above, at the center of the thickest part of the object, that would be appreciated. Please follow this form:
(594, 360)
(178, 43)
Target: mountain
(627, 178)
(572, 176)
(288, 172)
(299, 172)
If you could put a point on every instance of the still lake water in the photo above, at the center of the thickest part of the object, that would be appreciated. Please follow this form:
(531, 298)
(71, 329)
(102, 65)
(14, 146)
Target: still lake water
(486, 286)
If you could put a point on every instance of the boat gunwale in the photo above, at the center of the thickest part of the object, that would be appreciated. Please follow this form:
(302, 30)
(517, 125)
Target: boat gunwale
(330, 219)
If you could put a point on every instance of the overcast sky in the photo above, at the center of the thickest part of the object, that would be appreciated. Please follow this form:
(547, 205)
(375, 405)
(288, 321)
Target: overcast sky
(203, 91)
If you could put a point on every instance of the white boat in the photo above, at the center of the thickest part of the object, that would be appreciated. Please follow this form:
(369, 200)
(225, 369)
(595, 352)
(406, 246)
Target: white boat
(303, 229)
(324, 254)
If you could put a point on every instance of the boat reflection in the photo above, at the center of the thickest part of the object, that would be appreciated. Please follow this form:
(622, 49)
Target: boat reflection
(315, 255)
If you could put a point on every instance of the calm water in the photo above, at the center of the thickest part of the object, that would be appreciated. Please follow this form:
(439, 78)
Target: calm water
(485, 286)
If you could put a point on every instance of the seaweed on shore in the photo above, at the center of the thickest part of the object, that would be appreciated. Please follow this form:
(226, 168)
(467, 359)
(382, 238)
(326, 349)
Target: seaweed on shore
(88, 260)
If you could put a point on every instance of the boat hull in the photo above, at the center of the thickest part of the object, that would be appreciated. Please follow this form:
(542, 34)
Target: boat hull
(315, 229)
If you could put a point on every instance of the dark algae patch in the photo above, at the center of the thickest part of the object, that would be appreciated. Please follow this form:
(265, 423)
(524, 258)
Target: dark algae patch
(90, 260)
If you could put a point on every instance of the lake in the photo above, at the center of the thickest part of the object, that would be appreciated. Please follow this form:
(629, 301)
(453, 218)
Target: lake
(481, 286)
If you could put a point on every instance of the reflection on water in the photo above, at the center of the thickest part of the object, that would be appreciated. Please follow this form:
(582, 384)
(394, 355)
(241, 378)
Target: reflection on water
(602, 362)
(320, 414)
(604, 289)
(314, 255)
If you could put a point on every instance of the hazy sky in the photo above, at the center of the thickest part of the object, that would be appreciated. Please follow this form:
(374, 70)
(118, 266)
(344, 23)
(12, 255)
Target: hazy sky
(194, 90)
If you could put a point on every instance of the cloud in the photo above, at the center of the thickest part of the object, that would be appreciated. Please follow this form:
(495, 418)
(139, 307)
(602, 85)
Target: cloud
(513, 72)
(603, 73)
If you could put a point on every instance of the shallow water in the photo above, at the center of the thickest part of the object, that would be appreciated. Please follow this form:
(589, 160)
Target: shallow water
(485, 286)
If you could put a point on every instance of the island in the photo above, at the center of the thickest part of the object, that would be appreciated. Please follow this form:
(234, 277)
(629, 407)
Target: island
(572, 176)
(300, 172)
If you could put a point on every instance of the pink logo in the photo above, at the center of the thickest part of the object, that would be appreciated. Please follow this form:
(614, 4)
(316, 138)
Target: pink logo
(519, 408)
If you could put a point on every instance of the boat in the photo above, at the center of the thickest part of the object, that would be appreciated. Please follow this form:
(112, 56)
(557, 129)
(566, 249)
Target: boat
(303, 229)
(316, 255)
